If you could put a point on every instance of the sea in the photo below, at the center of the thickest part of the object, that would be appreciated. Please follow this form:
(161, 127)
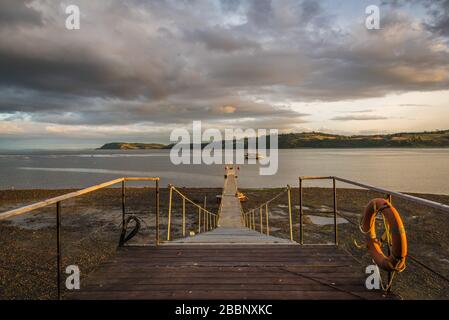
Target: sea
(406, 170)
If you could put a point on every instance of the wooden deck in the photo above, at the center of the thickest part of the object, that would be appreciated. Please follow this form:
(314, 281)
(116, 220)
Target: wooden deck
(228, 272)
(230, 262)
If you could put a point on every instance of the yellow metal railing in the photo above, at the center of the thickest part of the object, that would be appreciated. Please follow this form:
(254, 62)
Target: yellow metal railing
(207, 220)
(58, 201)
(249, 217)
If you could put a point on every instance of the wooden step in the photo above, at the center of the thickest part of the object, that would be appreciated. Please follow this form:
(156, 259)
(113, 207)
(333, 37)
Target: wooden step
(230, 236)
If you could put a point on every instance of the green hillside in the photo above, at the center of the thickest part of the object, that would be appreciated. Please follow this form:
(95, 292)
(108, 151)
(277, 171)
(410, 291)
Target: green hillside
(131, 146)
(434, 139)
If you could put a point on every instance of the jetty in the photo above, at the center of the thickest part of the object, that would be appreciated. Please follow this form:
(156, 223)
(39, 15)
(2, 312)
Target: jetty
(231, 254)
(231, 261)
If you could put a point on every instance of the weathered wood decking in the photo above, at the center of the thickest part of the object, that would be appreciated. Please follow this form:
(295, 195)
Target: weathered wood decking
(230, 262)
(228, 272)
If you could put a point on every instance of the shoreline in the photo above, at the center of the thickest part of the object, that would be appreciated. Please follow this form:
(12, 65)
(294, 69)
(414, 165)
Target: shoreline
(91, 229)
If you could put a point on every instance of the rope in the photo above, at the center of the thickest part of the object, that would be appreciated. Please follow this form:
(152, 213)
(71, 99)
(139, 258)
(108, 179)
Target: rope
(412, 258)
(191, 201)
(267, 202)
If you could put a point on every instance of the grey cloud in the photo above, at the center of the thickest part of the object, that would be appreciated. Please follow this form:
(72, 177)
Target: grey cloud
(18, 12)
(220, 39)
(263, 69)
(140, 62)
(438, 11)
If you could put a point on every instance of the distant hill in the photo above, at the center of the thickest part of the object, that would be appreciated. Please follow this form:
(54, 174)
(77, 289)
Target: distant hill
(432, 139)
(131, 146)
(397, 140)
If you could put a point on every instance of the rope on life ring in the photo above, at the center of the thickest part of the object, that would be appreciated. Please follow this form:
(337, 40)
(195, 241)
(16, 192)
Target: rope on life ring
(394, 236)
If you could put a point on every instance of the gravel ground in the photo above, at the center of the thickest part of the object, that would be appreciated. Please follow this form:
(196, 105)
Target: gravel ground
(91, 227)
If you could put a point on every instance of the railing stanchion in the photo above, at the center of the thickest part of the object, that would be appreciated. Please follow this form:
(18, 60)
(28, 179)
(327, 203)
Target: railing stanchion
(260, 220)
(157, 212)
(390, 200)
(183, 216)
(169, 211)
(254, 220)
(250, 220)
(199, 219)
(290, 212)
(301, 227)
(123, 205)
(206, 215)
(266, 217)
(58, 246)
(334, 186)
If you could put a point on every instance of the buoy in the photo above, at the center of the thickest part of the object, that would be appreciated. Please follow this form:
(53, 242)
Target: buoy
(395, 228)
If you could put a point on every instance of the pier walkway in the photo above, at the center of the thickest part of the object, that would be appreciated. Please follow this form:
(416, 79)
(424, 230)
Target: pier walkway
(229, 262)
(230, 225)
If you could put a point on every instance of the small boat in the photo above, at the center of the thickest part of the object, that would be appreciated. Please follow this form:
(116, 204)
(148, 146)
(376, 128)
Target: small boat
(255, 155)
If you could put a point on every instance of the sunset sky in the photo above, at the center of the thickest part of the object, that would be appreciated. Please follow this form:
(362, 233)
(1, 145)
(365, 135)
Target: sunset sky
(137, 69)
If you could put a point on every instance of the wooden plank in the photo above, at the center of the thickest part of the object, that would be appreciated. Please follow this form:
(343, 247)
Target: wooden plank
(195, 273)
(222, 295)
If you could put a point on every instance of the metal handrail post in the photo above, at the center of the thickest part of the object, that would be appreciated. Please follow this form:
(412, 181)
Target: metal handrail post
(58, 246)
(157, 212)
(183, 217)
(169, 212)
(254, 220)
(290, 212)
(266, 217)
(334, 186)
(199, 219)
(123, 205)
(301, 226)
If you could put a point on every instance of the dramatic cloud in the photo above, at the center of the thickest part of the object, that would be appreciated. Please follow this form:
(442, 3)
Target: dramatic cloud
(241, 62)
(18, 12)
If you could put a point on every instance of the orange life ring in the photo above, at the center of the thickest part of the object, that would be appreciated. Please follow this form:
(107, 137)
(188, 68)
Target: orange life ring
(396, 260)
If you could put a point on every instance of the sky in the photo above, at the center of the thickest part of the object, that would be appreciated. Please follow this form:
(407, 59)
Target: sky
(138, 69)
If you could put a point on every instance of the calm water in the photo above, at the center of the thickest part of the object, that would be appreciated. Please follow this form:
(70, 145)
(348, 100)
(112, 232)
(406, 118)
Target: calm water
(417, 170)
